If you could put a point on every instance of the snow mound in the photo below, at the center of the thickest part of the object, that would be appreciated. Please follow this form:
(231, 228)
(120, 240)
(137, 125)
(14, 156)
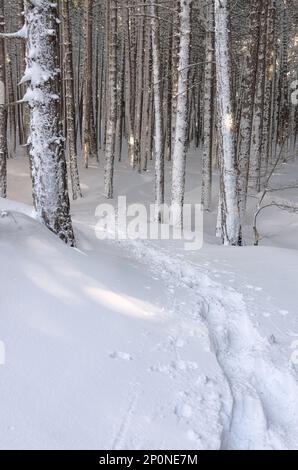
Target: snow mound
(95, 356)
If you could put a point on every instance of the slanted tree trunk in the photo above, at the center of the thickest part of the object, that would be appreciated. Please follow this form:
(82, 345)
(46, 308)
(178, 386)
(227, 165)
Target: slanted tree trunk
(3, 112)
(49, 176)
(70, 103)
(228, 169)
(112, 98)
(180, 136)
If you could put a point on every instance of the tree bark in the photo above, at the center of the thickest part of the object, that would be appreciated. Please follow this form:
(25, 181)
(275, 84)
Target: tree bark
(180, 136)
(70, 103)
(158, 136)
(89, 137)
(49, 180)
(112, 96)
(247, 103)
(208, 110)
(3, 111)
(230, 226)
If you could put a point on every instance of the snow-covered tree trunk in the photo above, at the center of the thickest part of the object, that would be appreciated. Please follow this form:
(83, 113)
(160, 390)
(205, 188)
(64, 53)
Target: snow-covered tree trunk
(270, 61)
(146, 98)
(23, 110)
(180, 137)
(226, 127)
(257, 124)
(139, 89)
(70, 103)
(158, 136)
(283, 118)
(11, 98)
(175, 42)
(89, 138)
(247, 102)
(168, 98)
(129, 121)
(120, 100)
(208, 108)
(48, 163)
(112, 96)
(3, 112)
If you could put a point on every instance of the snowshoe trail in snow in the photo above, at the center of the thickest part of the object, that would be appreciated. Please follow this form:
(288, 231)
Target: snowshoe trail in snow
(119, 439)
(256, 396)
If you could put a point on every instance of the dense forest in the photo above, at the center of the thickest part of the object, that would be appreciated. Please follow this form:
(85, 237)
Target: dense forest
(148, 228)
(81, 77)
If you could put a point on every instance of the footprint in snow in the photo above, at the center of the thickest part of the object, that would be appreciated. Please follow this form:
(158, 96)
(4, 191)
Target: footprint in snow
(266, 314)
(283, 312)
(184, 365)
(174, 366)
(257, 289)
(120, 355)
(183, 410)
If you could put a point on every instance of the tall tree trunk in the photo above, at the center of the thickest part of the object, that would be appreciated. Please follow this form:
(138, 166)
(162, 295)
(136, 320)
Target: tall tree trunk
(247, 102)
(268, 90)
(146, 99)
(228, 168)
(3, 112)
(283, 118)
(158, 136)
(257, 125)
(180, 136)
(70, 103)
(175, 64)
(23, 109)
(120, 101)
(208, 110)
(139, 91)
(89, 136)
(49, 178)
(129, 120)
(112, 98)
(12, 118)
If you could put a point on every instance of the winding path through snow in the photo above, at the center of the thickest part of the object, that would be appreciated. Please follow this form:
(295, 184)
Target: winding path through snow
(257, 391)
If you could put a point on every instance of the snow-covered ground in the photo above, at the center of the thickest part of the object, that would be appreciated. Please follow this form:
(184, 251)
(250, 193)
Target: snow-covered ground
(141, 344)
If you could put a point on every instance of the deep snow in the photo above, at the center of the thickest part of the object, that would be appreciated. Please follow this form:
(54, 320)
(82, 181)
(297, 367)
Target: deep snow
(139, 344)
